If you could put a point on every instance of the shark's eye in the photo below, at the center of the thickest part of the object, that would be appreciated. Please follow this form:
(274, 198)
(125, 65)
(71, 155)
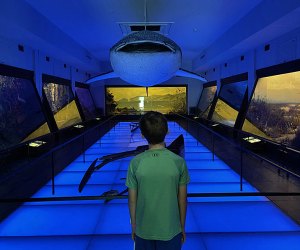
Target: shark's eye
(145, 47)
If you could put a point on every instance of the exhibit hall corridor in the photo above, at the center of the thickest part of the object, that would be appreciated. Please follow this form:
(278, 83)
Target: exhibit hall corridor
(213, 223)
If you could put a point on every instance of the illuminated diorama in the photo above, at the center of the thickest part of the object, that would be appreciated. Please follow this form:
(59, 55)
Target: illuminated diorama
(86, 102)
(136, 100)
(229, 102)
(274, 111)
(206, 99)
(61, 101)
(21, 115)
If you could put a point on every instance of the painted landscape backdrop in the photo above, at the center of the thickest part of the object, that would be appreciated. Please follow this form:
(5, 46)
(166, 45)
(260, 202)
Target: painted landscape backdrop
(133, 100)
(61, 100)
(206, 100)
(229, 103)
(274, 112)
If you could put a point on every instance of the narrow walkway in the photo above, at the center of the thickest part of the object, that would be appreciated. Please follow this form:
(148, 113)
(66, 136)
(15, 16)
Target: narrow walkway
(233, 223)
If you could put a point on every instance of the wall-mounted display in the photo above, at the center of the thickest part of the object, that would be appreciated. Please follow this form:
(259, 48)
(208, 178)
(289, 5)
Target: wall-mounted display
(274, 111)
(229, 102)
(86, 102)
(62, 103)
(21, 113)
(137, 100)
(206, 99)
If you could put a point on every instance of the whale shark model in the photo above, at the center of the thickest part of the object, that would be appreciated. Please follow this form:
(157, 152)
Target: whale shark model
(145, 58)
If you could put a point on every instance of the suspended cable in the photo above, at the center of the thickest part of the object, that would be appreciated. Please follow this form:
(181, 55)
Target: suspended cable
(145, 13)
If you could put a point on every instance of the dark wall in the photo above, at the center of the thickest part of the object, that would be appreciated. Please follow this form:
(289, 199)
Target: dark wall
(28, 175)
(260, 173)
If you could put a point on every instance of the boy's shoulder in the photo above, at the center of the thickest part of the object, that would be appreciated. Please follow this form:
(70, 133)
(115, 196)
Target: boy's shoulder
(164, 152)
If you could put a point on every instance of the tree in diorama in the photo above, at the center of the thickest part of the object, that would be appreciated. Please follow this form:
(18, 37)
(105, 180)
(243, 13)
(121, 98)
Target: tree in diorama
(293, 117)
(58, 95)
(178, 104)
(268, 117)
(126, 111)
(11, 112)
(296, 141)
(111, 104)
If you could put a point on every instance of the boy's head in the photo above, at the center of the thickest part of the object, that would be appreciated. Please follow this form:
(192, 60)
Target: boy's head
(154, 127)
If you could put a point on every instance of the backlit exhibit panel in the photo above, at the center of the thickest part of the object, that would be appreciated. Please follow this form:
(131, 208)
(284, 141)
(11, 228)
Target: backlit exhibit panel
(135, 100)
(86, 102)
(61, 100)
(274, 111)
(206, 99)
(21, 115)
(229, 102)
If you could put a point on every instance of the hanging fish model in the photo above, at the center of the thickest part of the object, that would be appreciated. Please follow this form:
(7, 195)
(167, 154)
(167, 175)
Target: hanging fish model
(145, 58)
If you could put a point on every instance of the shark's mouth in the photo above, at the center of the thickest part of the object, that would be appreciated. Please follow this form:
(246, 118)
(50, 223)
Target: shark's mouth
(145, 47)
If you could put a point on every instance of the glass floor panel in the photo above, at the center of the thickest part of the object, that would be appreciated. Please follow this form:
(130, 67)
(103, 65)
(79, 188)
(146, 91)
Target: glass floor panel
(213, 223)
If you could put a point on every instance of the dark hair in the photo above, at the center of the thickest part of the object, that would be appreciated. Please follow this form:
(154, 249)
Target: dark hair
(154, 127)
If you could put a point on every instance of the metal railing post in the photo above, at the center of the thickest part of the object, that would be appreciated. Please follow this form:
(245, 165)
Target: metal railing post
(100, 136)
(83, 148)
(241, 170)
(213, 146)
(197, 136)
(53, 173)
(28, 153)
(187, 127)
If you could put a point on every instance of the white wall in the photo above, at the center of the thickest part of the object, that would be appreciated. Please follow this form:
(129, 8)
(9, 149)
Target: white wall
(35, 60)
(40, 38)
(282, 49)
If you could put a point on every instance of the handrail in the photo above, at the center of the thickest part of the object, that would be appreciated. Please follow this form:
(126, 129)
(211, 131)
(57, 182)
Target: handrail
(210, 130)
(240, 147)
(57, 147)
(282, 145)
(80, 135)
(68, 141)
(52, 134)
(175, 147)
(105, 197)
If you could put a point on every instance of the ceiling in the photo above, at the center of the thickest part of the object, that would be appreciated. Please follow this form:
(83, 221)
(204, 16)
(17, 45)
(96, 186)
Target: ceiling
(208, 31)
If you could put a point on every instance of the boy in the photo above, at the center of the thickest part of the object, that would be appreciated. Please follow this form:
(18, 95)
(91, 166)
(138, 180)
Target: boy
(156, 181)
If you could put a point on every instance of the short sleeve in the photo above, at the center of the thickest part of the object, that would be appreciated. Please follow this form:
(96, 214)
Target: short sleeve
(131, 181)
(184, 176)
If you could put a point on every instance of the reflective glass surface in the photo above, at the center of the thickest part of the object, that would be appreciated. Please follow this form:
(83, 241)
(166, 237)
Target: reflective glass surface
(21, 115)
(61, 100)
(87, 103)
(206, 99)
(229, 103)
(274, 111)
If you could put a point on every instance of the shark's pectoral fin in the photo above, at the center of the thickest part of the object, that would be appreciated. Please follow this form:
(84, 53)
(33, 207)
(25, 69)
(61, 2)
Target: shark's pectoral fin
(185, 73)
(104, 76)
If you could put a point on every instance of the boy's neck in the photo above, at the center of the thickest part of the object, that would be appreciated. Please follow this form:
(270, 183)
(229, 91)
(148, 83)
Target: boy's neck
(157, 146)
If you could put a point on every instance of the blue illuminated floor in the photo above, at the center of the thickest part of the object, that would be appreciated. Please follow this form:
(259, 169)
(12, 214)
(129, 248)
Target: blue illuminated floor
(212, 223)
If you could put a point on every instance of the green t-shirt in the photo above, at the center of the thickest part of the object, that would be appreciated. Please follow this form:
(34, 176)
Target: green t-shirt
(157, 174)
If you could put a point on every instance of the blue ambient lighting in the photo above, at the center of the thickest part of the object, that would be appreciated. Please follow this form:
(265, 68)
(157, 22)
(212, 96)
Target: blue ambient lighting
(214, 223)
